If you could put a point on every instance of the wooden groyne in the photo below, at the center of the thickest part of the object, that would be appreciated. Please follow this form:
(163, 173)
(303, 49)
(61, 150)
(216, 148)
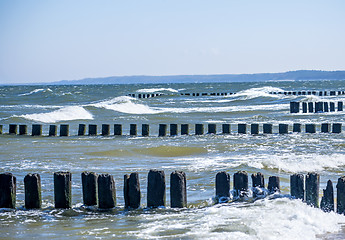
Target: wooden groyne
(304, 93)
(99, 190)
(178, 129)
(316, 107)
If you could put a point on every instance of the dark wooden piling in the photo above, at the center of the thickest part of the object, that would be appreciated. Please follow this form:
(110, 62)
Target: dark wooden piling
(332, 107)
(258, 180)
(254, 128)
(240, 182)
(310, 128)
(63, 189)
(32, 186)
(341, 195)
(226, 128)
(117, 129)
(212, 128)
(296, 127)
(222, 186)
(89, 185)
(131, 190)
(8, 186)
(162, 131)
(242, 128)
(92, 129)
(340, 106)
(267, 128)
(145, 130)
(13, 129)
(310, 107)
(325, 107)
(178, 189)
(105, 129)
(273, 184)
(184, 129)
(133, 129)
(52, 130)
(325, 127)
(199, 129)
(336, 128)
(294, 107)
(327, 200)
(332, 93)
(106, 191)
(36, 130)
(283, 128)
(81, 129)
(297, 186)
(304, 107)
(64, 130)
(23, 129)
(173, 129)
(320, 93)
(318, 107)
(312, 184)
(0, 129)
(156, 189)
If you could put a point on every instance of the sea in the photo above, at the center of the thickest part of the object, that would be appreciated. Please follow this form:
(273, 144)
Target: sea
(199, 156)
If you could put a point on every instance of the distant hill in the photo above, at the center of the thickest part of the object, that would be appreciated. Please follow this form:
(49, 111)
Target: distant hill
(291, 75)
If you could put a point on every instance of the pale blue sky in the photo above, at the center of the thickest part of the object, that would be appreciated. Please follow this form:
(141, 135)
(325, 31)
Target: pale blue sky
(46, 40)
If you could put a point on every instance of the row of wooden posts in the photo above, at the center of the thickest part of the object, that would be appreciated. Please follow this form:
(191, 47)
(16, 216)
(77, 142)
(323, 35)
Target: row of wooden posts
(319, 93)
(163, 129)
(99, 189)
(317, 107)
(145, 95)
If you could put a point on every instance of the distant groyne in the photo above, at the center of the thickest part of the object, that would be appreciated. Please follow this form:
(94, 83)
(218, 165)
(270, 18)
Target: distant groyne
(316, 107)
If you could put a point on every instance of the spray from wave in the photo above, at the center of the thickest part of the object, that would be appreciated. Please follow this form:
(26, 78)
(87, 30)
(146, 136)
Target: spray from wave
(152, 90)
(36, 91)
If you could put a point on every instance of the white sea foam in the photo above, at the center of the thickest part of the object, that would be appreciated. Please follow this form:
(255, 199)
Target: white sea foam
(64, 114)
(152, 90)
(36, 91)
(259, 92)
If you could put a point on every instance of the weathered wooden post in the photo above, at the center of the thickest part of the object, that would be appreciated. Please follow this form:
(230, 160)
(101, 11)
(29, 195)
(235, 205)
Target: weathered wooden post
(184, 129)
(105, 129)
(36, 130)
(267, 128)
(336, 128)
(325, 127)
(106, 191)
(64, 130)
(297, 186)
(294, 107)
(296, 127)
(156, 189)
(325, 106)
(332, 107)
(318, 107)
(131, 190)
(310, 107)
(62, 189)
(117, 129)
(273, 184)
(133, 129)
(92, 129)
(32, 185)
(242, 128)
(173, 129)
(89, 183)
(145, 130)
(8, 188)
(23, 129)
(341, 195)
(304, 107)
(212, 128)
(226, 128)
(332, 93)
(340, 106)
(327, 201)
(241, 183)
(13, 129)
(283, 128)
(254, 128)
(178, 189)
(0, 129)
(52, 130)
(162, 132)
(199, 129)
(222, 187)
(310, 128)
(81, 129)
(258, 180)
(312, 184)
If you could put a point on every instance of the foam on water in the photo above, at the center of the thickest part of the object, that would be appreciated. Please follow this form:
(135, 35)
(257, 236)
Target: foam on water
(260, 92)
(64, 114)
(152, 90)
(36, 91)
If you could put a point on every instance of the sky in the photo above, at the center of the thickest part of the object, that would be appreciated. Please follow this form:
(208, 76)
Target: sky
(52, 40)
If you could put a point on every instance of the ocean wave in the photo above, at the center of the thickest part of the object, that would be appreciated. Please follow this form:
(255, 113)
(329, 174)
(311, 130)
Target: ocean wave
(36, 91)
(152, 90)
(259, 92)
(64, 114)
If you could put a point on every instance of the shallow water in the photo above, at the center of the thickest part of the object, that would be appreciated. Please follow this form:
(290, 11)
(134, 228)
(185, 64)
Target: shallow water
(201, 157)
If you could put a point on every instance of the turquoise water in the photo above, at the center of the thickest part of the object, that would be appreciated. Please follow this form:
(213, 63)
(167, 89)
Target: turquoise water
(201, 157)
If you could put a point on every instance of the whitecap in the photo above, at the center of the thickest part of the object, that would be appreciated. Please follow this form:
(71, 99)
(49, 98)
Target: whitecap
(36, 91)
(152, 90)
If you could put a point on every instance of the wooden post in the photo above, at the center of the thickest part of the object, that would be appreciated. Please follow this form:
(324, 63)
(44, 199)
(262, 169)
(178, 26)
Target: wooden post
(240, 183)
(242, 128)
(226, 128)
(332, 107)
(81, 129)
(310, 128)
(52, 130)
(178, 190)
(199, 129)
(222, 187)
(133, 129)
(105, 129)
(312, 183)
(8, 188)
(92, 129)
(327, 201)
(162, 132)
(318, 107)
(273, 184)
(258, 180)
(212, 128)
(117, 129)
(36, 130)
(310, 107)
(184, 129)
(145, 130)
(106, 191)
(267, 128)
(336, 128)
(13, 129)
(340, 106)
(341, 195)
(283, 128)
(32, 185)
(297, 186)
(296, 127)
(325, 127)
(173, 129)
(23, 129)
(294, 107)
(0, 129)
(325, 107)
(156, 189)
(254, 128)
(131, 191)
(62, 189)
(89, 183)
(64, 130)
(304, 107)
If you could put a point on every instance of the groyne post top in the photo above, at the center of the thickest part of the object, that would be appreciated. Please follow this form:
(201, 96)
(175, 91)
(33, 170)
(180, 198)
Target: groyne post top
(90, 188)
(178, 189)
(173, 129)
(332, 107)
(81, 129)
(273, 184)
(340, 106)
(13, 129)
(106, 191)
(131, 190)
(32, 185)
(52, 130)
(105, 129)
(311, 107)
(184, 129)
(133, 129)
(267, 128)
(63, 189)
(304, 107)
(226, 128)
(117, 129)
(222, 185)
(336, 128)
(310, 128)
(23, 129)
(341, 195)
(36, 130)
(212, 128)
(92, 129)
(162, 132)
(199, 129)
(325, 127)
(254, 128)
(296, 127)
(297, 186)
(145, 130)
(240, 181)
(8, 186)
(156, 189)
(64, 130)
(258, 180)
(327, 200)
(242, 128)
(312, 184)
(283, 128)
